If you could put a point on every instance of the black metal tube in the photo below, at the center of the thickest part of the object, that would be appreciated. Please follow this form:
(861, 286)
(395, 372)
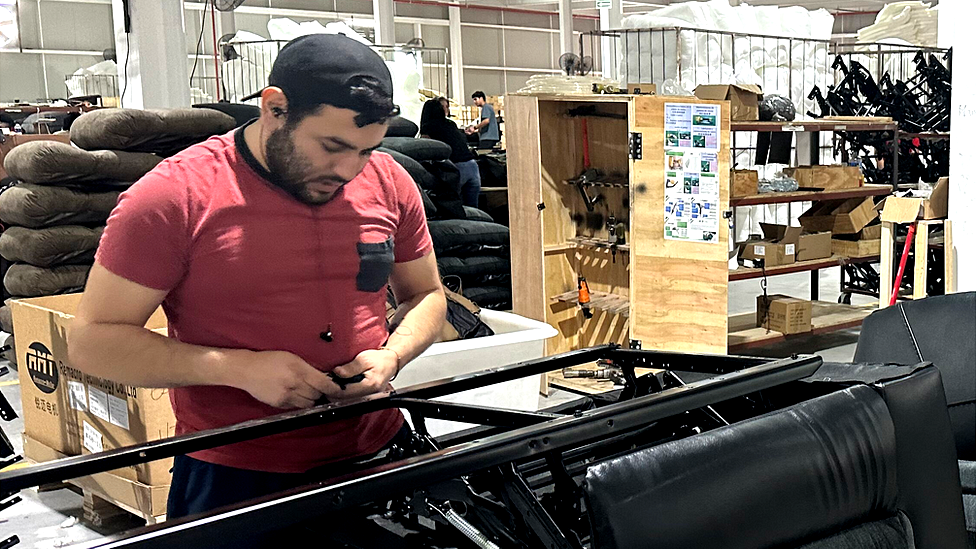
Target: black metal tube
(381, 483)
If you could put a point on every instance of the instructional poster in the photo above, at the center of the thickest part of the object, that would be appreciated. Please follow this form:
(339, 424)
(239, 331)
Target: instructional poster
(691, 185)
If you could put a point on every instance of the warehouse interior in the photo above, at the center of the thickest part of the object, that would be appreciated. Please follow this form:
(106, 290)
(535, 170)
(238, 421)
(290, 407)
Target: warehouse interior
(619, 273)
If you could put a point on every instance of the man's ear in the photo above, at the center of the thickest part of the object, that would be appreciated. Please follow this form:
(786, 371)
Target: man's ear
(274, 104)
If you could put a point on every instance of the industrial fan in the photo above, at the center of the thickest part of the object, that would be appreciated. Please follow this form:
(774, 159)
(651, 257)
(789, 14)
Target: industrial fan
(574, 65)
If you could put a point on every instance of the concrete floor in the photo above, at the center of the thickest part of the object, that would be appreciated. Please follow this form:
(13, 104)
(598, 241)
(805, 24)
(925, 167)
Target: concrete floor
(53, 519)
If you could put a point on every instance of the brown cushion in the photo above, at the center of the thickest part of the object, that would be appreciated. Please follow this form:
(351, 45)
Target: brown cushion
(37, 207)
(52, 162)
(24, 280)
(52, 246)
(163, 131)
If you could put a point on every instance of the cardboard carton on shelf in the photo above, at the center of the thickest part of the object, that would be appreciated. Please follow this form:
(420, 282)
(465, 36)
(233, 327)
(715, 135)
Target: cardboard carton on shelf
(856, 248)
(776, 248)
(743, 97)
(784, 314)
(833, 177)
(904, 209)
(74, 413)
(808, 245)
(839, 217)
(745, 182)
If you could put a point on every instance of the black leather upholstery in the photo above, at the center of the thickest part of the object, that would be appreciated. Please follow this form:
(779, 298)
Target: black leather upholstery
(779, 480)
(941, 330)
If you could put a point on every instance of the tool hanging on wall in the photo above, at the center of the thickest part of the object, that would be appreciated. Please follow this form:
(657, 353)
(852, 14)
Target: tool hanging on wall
(584, 296)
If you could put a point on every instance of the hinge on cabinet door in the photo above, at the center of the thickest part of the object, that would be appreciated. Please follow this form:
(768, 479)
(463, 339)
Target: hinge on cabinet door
(635, 344)
(636, 146)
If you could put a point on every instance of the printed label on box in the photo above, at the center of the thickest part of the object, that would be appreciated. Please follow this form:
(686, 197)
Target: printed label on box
(92, 439)
(791, 249)
(76, 393)
(118, 412)
(760, 250)
(98, 403)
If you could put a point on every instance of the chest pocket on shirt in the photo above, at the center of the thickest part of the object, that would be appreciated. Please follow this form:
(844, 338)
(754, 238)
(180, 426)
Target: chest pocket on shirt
(375, 265)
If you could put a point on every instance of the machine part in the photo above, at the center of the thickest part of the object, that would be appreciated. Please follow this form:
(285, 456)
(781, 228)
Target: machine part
(343, 381)
(464, 527)
(586, 179)
(584, 296)
(636, 146)
(9, 542)
(516, 494)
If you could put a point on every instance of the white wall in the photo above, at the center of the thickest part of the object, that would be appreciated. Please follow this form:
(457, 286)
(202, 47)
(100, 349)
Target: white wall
(490, 54)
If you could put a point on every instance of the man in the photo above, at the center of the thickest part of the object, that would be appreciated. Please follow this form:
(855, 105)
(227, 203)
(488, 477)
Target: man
(270, 249)
(487, 128)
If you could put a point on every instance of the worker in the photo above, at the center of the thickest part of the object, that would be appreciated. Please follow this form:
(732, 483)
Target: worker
(435, 125)
(270, 249)
(487, 127)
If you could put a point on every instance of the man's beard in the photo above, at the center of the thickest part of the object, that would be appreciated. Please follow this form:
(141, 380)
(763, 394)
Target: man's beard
(291, 172)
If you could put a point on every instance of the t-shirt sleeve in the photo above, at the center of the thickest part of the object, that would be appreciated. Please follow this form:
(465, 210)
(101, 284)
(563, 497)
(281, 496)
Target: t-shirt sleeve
(412, 240)
(146, 239)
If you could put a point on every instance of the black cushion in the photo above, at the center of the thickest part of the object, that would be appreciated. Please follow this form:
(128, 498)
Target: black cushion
(465, 238)
(401, 127)
(37, 207)
(889, 533)
(242, 113)
(498, 298)
(420, 176)
(419, 149)
(779, 480)
(477, 270)
(941, 330)
(475, 214)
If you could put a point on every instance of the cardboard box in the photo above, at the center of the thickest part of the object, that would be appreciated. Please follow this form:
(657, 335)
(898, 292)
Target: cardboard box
(905, 210)
(813, 246)
(73, 412)
(832, 177)
(8, 142)
(839, 217)
(778, 247)
(871, 232)
(137, 498)
(856, 248)
(786, 315)
(745, 182)
(744, 98)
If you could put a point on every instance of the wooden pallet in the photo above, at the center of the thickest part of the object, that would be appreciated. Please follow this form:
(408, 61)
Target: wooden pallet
(107, 494)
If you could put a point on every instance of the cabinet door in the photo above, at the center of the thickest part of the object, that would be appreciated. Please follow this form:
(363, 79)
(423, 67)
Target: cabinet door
(679, 288)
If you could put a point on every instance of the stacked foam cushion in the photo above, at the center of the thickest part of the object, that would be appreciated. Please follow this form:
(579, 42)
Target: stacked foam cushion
(471, 248)
(54, 212)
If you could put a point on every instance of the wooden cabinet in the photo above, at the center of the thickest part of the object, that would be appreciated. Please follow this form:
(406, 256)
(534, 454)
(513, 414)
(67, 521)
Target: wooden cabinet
(666, 294)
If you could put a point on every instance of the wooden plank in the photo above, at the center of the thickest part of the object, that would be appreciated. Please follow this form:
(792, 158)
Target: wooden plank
(679, 290)
(746, 273)
(887, 260)
(528, 291)
(920, 283)
(950, 260)
(811, 196)
(826, 317)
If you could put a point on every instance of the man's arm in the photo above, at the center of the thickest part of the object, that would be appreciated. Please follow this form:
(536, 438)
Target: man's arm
(417, 287)
(108, 339)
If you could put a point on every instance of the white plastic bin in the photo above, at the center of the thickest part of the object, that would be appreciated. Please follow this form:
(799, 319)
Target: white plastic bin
(516, 339)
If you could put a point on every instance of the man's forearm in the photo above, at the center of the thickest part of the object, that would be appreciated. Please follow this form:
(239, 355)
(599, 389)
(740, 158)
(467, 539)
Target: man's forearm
(420, 326)
(481, 125)
(136, 356)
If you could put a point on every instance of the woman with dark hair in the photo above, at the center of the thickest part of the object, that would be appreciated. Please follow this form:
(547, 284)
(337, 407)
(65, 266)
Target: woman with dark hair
(435, 125)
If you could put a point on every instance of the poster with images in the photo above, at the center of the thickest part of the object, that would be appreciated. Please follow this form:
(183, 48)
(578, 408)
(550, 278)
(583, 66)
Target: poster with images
(691, 173)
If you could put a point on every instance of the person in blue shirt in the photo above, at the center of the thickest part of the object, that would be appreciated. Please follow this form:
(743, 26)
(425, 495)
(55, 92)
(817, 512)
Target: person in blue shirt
(487, 128)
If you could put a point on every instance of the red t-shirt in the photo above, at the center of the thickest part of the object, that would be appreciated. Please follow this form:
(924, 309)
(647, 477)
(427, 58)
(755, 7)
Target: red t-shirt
(249, 267)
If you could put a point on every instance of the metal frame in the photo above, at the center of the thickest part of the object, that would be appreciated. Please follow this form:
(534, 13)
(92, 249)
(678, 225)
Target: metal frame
(534, 435)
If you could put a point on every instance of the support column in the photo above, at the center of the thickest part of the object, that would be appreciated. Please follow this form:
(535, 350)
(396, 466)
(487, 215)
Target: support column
(383, 21)
(157, 76)
(566, 41)
(610, 18)
(457, 62)
(952, 33)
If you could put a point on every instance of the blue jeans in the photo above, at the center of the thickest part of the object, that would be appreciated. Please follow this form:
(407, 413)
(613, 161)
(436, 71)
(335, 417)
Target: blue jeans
(470, 183)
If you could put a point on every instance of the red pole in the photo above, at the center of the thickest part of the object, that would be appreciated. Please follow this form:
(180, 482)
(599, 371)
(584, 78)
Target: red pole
(901, 266)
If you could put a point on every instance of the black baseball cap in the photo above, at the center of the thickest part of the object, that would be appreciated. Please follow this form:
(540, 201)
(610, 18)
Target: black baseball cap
(319, 69)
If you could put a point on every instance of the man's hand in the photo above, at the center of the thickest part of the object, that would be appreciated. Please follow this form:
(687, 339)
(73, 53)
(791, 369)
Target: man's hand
(281, 379)
(378, 367)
